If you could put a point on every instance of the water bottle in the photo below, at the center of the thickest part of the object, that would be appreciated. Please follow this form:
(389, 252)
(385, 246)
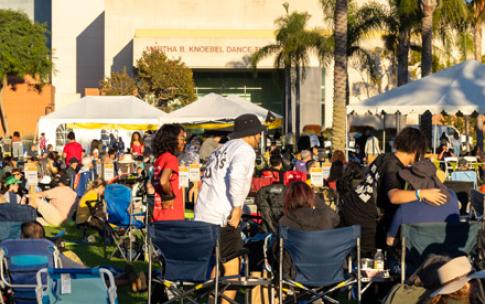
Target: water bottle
(379, 260)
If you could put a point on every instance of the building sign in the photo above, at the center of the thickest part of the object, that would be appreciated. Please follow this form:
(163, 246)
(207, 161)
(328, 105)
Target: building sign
(212, 49)
(206, 48)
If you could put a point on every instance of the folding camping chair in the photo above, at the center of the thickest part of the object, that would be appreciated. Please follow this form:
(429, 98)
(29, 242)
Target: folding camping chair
(75, 286)
(477, 200)
(420, 240)
(10, 230)
(121, 220)
(451, 163)
(465, 176)
(186, 252)
(462, 190)
(319, 258)
(19, 262)
(472, 163)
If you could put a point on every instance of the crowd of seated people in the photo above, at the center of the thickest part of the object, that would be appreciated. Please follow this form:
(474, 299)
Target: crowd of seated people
(397, 188)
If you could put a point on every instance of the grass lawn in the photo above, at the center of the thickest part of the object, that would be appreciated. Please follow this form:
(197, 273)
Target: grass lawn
(93, 255)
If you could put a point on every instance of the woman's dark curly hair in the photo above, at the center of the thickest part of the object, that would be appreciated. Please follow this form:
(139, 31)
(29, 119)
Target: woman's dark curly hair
(166, 139)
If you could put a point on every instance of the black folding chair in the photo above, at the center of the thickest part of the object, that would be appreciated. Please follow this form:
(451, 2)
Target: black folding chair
(477, 202)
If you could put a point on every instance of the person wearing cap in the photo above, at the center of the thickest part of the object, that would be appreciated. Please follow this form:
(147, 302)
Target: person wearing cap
(454, 278)
(410, 147)
(84, 177)
(226, 184)
(60, 204)
(422, 175)
(22, 181)
(439, 280)
(11, 189)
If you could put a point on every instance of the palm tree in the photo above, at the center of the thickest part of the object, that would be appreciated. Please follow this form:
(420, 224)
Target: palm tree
(402, 20)
(340, 75)
(293, 44)
(427, 9)
(361, 21)
(476, 17)
(351, 24)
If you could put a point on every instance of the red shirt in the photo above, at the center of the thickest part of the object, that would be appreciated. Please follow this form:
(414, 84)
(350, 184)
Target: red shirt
(168, 161)
(136, 149)
(73, 149)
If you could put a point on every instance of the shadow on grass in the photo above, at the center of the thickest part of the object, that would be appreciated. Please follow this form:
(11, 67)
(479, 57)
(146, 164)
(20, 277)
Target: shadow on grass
(93, 255)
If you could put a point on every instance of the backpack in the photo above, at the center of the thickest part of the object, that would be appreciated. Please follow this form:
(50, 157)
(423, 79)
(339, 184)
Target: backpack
(270, 201)
(480, 249)
(405, 294)
(367, 189)
(358, 200)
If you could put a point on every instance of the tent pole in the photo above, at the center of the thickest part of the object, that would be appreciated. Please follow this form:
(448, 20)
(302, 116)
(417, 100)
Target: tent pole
(435, 137)
(347, 136)
(384, 133)
(467, 130)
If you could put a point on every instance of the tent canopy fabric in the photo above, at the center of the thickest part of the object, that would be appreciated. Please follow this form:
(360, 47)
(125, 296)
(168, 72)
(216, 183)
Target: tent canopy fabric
(110, 109)
(213, 107)
(103, 112)
(458, 88)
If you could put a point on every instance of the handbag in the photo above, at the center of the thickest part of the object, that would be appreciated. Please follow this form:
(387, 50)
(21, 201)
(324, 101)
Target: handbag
(161, 201)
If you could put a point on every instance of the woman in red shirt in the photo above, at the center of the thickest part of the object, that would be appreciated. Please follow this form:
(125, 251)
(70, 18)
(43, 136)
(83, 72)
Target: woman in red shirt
(169, 141)
(136, 145)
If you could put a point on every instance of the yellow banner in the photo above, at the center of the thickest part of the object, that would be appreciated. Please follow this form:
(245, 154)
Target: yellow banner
(110, 126)
(215, 125)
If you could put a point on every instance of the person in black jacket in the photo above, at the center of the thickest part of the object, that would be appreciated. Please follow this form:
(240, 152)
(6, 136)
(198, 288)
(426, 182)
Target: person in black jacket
(304, 211)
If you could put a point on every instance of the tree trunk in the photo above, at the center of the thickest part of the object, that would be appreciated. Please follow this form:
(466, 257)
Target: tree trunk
(288, 111)
(427, 9)
(297, 102)
(3, 117)
(478, 9)
(403, 56)
(340, 75)
(477, 40)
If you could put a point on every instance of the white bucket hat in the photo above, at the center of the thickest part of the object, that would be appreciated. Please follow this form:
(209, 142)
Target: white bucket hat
(455, 274)
(127, 159)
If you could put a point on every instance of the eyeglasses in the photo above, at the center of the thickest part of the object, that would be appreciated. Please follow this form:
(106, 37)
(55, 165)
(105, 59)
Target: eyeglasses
(183, 139)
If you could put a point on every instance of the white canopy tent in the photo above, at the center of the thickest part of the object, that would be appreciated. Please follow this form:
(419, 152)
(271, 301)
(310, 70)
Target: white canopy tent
(216, 108)
(102, 112)
(459, 88)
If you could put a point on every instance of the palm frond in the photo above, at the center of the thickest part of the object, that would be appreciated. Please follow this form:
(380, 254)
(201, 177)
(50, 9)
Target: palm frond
(264, 52)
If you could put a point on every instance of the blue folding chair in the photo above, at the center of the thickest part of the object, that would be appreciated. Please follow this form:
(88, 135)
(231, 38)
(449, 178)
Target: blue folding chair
(75, 286)
(121, 220)
(418, 241)
(186, 250)
(10, 230)
(319, 258)
(465, 176)
(19, 262)
(83, 180)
